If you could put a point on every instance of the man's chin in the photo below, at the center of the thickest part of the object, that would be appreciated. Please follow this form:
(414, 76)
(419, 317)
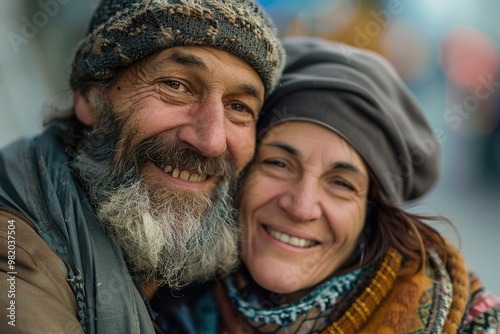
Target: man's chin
(175, 236)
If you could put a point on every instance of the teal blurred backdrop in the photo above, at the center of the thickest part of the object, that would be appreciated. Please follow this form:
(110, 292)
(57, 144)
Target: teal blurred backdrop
(446, 50)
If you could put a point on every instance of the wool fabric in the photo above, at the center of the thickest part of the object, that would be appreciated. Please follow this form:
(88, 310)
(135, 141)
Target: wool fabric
(122, 32)
(358, 94)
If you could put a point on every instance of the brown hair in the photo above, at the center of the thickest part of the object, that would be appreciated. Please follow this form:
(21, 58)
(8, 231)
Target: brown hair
(72, 130)
(389, 225)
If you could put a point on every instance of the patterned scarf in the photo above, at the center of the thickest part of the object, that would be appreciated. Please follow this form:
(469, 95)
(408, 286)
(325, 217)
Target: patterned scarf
(441, 298)
(310, 314)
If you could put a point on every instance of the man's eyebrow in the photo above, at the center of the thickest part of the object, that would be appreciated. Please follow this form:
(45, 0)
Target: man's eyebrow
(187, 60)
(194, 61)
(250, 90)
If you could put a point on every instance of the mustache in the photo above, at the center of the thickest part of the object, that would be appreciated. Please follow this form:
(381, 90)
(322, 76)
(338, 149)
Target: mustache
(163, 152)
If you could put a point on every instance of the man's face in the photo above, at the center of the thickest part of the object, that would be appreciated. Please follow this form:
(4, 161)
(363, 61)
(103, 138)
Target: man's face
(160, 166)
(198, 98)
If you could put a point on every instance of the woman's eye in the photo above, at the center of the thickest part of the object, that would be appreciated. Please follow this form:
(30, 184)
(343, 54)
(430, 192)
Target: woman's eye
(276, 163)
(343, 184)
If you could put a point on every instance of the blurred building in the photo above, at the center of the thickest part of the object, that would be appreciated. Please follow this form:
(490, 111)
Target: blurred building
(36, 45)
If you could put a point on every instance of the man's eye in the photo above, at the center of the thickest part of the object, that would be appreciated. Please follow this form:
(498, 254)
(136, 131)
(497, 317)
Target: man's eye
(240, 107)
(175, 85)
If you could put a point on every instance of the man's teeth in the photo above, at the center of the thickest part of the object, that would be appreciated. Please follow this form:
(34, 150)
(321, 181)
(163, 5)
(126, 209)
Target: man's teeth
(289, 240)
(184, 174)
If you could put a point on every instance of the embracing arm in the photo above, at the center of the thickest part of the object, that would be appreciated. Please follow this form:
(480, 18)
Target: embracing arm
(34, 294)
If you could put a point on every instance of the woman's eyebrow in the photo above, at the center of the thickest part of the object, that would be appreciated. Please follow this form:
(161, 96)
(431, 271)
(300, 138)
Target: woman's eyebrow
(336, 165)
(347, 166)
(344, 165)
(284, 147)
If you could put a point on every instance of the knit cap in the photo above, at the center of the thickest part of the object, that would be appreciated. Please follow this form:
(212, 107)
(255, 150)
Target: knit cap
(358, 94)
(122, 32)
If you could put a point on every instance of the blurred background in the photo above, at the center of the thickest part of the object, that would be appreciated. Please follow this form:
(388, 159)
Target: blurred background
(447, 51)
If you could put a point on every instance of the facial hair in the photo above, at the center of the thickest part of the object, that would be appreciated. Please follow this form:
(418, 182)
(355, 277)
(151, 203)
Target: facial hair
(169, 236)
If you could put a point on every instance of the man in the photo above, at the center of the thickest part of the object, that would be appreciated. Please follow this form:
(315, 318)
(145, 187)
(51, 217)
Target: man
(133, 188)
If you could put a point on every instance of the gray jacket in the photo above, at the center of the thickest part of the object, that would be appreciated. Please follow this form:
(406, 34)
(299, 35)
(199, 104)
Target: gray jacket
(36, 182)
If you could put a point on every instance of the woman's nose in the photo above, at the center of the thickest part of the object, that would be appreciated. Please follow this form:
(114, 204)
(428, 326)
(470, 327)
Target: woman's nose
(301, 200)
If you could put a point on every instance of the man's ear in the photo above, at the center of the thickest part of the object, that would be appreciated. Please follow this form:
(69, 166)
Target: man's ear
(84, 110)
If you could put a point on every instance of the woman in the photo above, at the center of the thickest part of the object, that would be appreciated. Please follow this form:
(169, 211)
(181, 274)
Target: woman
(325, 243)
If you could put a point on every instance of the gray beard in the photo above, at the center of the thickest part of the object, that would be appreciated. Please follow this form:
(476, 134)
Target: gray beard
(188, 238)
(170, 237)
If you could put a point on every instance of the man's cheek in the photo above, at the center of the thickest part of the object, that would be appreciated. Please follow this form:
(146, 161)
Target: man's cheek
(243, 156)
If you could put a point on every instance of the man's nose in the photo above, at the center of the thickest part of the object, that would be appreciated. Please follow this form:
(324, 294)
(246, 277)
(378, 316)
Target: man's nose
(302, 200)
(206, 130)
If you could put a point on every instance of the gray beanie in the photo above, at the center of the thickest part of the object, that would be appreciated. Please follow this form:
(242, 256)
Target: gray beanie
(122, 32)
(359, 95)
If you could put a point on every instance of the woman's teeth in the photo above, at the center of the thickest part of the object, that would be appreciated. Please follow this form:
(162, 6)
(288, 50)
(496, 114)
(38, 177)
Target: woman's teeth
(289, 240)
(184, 174)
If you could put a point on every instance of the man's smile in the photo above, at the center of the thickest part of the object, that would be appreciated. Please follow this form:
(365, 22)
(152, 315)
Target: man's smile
(183, 174)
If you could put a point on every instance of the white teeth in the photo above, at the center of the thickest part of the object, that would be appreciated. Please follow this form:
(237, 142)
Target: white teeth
(294, 241)
(184, 174)
(289, 240)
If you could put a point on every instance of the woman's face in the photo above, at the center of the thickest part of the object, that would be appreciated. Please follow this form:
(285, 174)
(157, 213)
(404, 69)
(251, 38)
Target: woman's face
(302, 207)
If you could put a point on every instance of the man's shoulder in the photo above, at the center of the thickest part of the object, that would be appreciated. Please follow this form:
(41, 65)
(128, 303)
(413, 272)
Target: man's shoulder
(16, 227)
(38, 297)
(18, 232)
(14, 148)
(9, 217)
(17, 171)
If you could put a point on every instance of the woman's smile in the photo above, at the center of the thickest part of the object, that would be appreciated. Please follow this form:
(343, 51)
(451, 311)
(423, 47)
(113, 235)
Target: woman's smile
(289, 239)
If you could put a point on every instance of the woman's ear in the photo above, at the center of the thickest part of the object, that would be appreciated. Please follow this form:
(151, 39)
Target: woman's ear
(84, 110)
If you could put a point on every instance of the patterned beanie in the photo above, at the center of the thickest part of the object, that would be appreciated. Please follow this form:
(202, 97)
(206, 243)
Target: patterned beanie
(122, 32)
(358, 94)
